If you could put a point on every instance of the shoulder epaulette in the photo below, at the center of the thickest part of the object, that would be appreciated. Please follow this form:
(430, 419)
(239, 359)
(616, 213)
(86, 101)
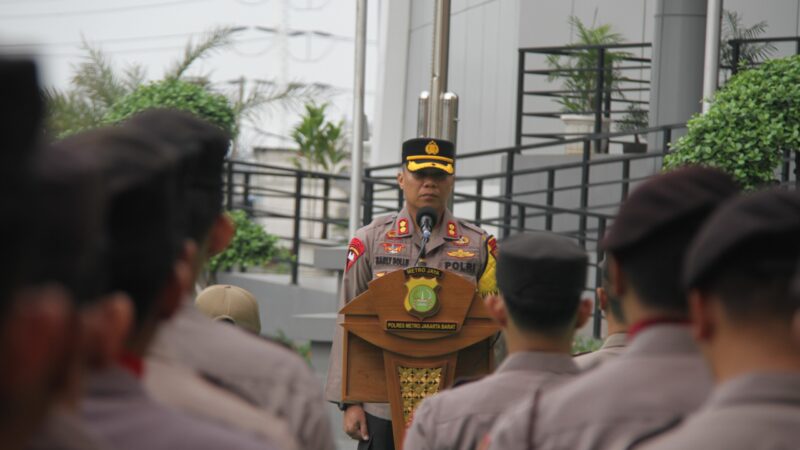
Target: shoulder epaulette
(471, 226)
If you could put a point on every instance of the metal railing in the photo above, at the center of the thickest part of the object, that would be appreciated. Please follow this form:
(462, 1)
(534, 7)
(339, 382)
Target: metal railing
(616, 79)
(737, 46)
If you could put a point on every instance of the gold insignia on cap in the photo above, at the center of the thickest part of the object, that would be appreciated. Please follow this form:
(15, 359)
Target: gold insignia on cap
(432, 148)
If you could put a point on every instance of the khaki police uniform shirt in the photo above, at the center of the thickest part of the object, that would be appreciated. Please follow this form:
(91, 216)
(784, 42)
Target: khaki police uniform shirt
(750, 412)
(612, 347)
(459, 418)
(392, 243)
(182, 389)
(117, 409)
(660, 378)
(273, 378)
(63, 429)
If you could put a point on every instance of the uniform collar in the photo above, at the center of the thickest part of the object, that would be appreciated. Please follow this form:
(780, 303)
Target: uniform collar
(540, 362)
(662, 339)
(404, 227)
(615, 340)
(760, 387)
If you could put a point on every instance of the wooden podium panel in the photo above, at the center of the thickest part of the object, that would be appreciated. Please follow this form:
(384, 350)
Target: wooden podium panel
(410, 335)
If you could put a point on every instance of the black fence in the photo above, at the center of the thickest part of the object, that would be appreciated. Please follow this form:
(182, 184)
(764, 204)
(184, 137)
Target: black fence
(598, 81)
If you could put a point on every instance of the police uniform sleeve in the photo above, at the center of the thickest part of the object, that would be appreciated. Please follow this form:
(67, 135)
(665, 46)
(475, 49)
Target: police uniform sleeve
(418, 436)
(487, 283)
(357, 274)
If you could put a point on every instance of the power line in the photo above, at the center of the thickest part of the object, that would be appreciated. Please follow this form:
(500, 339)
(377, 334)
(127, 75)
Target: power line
(103, 41)
(143, 49)
(97, 11)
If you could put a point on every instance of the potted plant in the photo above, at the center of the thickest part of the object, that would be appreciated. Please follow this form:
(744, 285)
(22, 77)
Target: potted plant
(635, 119)
(579, 77)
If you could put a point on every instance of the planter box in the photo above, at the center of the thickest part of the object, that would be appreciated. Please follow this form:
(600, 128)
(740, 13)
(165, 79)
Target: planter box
(577, 124)
(634, 147)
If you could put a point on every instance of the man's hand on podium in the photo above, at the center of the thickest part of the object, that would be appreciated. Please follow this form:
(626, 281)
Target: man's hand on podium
(355, 423)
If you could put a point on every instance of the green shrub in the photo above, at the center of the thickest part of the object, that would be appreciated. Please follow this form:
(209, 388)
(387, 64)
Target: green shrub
(751, 120)
(176, 94)
(251, 247)
(583, 344)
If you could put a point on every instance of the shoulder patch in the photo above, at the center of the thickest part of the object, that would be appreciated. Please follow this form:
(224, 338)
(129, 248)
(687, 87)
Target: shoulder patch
(354, 251)
(403, 228)
(452, 230)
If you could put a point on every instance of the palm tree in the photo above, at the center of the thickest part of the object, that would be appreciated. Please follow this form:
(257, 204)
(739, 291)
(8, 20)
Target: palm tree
(97, 85)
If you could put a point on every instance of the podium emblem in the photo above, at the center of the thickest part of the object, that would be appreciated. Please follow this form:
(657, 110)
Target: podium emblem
(421, 300)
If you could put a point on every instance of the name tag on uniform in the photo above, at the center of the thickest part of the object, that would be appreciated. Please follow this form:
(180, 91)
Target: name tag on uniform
(468, 267)
(391, 261)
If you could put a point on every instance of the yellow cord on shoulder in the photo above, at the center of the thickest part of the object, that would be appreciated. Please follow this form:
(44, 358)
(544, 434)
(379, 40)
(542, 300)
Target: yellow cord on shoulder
(488, 282)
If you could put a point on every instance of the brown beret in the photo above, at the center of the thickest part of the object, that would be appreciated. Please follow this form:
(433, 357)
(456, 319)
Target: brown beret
(724, 238)
(666, 200)
(540, 264)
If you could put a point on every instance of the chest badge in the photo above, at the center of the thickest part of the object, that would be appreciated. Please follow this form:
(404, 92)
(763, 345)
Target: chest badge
(461, 253)
(462, 241)
(421, 300)
(393, 249)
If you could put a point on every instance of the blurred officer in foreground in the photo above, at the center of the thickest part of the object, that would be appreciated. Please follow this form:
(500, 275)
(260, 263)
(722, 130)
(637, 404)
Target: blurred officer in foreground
(394, 242)
(662, 376)
(541, 277)
(230, 304)
(267, 375)
(36, 322)
(71, 217)
(147, 259)
(739, 272)
(617, 338)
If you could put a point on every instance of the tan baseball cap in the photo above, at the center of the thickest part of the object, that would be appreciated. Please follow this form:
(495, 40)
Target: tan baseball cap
(231, 304)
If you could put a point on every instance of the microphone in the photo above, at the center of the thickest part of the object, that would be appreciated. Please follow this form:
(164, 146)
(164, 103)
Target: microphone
(426, 219)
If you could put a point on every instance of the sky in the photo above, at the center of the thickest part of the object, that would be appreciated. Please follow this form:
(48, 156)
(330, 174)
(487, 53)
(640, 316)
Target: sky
(318, 47)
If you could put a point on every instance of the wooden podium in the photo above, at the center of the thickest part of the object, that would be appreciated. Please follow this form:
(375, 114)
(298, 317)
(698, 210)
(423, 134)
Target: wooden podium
(411, 334)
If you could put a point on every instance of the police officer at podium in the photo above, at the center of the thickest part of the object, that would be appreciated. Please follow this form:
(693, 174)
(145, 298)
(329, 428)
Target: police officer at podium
(394, 242)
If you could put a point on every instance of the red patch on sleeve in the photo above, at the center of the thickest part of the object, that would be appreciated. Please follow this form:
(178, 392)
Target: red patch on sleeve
(354, 251)
(492, 244)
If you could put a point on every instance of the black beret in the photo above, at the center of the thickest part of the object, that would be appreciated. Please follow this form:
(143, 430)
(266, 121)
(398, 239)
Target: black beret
(752, 218)
(20, 121)
(21, 111)
(140, 182)
(531, 265)
(796, 286)
(71, 211)
(201, 146)
(667, 200)
(429, 153)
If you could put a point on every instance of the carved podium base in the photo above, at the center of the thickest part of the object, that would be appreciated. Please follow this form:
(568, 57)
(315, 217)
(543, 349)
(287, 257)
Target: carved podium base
(411, 380)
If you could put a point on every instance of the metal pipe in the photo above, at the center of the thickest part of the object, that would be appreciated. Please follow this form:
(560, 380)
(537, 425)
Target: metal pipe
(357, 155)
(450, 117)
(711, 66)
(441, 48)
(423, 108)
